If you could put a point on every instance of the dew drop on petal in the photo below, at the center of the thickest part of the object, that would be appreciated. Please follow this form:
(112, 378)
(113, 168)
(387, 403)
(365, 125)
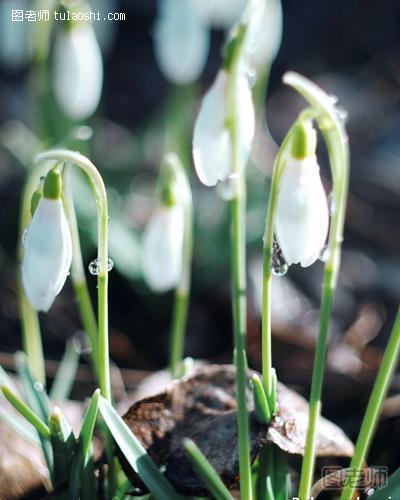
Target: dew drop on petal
(279, 265)
(342, 114)
(324, 255)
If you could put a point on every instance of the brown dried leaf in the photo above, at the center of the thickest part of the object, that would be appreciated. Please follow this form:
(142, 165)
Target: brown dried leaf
(203, 407)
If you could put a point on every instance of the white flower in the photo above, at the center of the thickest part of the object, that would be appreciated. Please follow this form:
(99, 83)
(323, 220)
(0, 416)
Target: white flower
(302, 215)
(162, 248)
(181, 40)
(78, 71)
(264, 32)
(47, 254)
(211, 138)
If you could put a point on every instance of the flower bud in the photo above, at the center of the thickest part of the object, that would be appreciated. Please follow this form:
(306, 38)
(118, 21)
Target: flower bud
(162, 247)
(181, 40)
(211, 139)
(47, 247)
(302, 215)
(78, 71)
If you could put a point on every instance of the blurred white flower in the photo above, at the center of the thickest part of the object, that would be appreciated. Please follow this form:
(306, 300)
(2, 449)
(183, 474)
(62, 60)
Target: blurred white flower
(211, 139)
(15, 48)
(263, 39)
(162, 247)
(220, 13)
(181, 41)
(77, 71)
(47, 254)
(302, 215)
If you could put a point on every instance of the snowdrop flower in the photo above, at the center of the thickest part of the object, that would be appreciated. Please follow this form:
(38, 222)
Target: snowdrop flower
(211, 138)
(264, 21)
(163, 238)
(302, 215)
(181, 40)
(78, 71)
(47, 247)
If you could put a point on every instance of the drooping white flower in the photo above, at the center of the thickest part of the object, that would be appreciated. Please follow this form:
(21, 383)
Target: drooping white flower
(211, 139)
(162, 247)
(182, 40)
(47, 253)
(77, 71)
(302, 214)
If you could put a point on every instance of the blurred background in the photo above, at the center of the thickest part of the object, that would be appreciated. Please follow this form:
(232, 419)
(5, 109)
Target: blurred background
(351, 49)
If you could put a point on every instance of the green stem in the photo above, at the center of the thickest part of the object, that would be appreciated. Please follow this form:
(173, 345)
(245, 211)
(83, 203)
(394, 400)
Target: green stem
(181, 304)
(381, 386)
(97, 183)
(334, 133)
(78, 275)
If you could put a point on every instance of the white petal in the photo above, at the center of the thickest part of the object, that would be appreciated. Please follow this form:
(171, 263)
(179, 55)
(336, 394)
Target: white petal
(211, 138)
(78, 71)
(162, 247)
(302, 216)
(181, 40)
(47, 254)
(211, 144)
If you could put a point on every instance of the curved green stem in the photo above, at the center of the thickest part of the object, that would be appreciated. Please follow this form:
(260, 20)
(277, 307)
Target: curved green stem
(78, 275)
(78, 160)
(334, 133)
(371, 417)
(278, 168)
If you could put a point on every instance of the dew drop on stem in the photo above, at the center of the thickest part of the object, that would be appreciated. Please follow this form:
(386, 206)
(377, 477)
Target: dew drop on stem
(24, 237)
(279, 265)
(94, 266)
(331, 203)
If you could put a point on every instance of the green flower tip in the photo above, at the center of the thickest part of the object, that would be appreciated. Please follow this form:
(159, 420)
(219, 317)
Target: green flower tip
(52, 189)
(36, 197)
(233, 46)
(304, 140)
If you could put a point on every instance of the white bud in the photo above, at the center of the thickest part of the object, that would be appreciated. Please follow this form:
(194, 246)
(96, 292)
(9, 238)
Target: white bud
(302, 216)
(211, 139)
(78, 71)
(162, 248)
(47, 254)
(181, 40)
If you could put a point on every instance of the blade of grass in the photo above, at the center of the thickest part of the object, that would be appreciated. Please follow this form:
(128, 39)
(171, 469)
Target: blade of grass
(136, 455)
(26, 412)
(82, 452)
(206, 471)
(390, 490)
(65, 376)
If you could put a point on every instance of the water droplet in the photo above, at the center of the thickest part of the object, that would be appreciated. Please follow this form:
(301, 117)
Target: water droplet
(226, 190)
(83, 133)
(324, 255)
(342, 114)
(94, 266)
(81, 342)
(333, 99)
(370, 492)
(279, 264)
(38, 386)
(24, 237)
(109, 220)
(331, 203)
(251, 76)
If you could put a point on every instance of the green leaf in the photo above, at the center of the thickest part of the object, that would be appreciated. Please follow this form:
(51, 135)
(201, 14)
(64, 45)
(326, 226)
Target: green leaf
(82, 454)
(136, 455)
(64, 379)
(37, 400)
(26, 412)
(391, 490)
(207, 472)
(63, 445)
